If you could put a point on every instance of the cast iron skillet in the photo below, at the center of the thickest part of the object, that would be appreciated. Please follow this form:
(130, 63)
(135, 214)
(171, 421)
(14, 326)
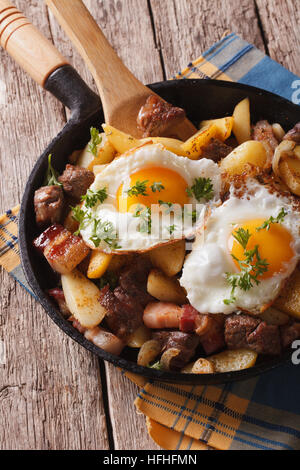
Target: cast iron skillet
(202, 99)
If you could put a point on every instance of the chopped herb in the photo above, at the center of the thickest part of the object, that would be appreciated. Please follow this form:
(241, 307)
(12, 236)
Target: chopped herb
(109, 278)
(96, 140)
(201, 189)
(81, 216)
(172, 229)
(157, 187)
(51, 175)
(92, 197)
(242, 236)
(251, 268)
(157, 366)
(145, 219)
(273, 220)
(193, 214)
(104, 232)
(139, 188)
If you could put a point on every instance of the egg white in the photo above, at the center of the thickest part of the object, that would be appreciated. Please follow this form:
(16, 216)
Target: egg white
(204, 269)
(129, 238)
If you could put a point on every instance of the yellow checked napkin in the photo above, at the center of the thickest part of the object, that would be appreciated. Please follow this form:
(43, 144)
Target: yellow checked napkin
(242, 415)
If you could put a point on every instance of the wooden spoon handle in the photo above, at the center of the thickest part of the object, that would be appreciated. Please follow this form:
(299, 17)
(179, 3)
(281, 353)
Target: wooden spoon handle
(33, 52)
(116, 84)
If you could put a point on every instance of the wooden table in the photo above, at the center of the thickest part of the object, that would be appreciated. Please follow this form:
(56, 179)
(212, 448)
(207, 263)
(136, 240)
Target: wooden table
(53, 393)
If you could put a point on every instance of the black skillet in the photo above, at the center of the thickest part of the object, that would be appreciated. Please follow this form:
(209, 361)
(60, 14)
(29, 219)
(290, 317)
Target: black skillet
(202, 99)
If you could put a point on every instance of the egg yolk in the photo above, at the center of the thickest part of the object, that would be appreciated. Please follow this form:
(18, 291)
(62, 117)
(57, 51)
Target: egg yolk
(160, 184)
(274, 245)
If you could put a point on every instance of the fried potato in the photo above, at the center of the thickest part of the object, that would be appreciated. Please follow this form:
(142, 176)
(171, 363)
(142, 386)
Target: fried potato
(164, 288)
(252, 152)
(241, 124)
(169, 258)
(173, 145)
(289, 299)
(98, 264)
(85, 157)
(118, 261)
(272, 316)
(289, 169)
(139, 337)
(224, 126)
(194, 146)
(70, 223)
(148, 352)
(82, 298)
(231, 360)
(120, 141)
(201, 366)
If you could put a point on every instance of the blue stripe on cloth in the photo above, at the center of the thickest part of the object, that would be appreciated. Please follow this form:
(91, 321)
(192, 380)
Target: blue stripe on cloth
(271, 76)
(217, 44)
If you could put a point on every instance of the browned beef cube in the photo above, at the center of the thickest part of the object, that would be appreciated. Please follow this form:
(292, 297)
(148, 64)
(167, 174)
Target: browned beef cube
(216, 150)
(265, 339)
(186, 343)
(133, 280)
(237, 329)
(289, 333)
(156, 117)
(48, 205)
(76, 181)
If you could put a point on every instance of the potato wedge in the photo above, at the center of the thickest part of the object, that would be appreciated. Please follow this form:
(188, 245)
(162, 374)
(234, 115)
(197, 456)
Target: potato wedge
(85, 158)
(106, 154)
(70, 223)
(289, 299)
(98, 264)
(148, 352)
(82, 298)
(289, 169)
(201, 366)
(272, 316)
(139, 337)
(241, 121)
(224, 126)
(252, 152)
(120, 141)
(169, 258)
(231, 360)
(173, 145)
(164, 288)
(194, 146)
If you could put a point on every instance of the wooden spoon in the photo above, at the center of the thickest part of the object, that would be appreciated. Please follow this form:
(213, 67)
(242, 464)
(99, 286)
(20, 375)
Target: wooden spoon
(122, 94)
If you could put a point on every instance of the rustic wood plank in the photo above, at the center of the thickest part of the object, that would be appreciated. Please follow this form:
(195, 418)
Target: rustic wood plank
(186, 28)
(50, 387)
(281, 27)
(122, 23)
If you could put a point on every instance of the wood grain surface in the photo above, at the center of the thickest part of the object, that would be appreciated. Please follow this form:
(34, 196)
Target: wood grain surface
(53, 393)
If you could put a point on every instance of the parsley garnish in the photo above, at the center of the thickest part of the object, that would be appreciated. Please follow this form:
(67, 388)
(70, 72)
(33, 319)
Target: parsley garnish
(109, 278)
(157, 366)
(92, 197)
(172, 229)
(51, 175)
(138, 188)
(273, 220)
(201, 189)
(96, 139)
(251, 268)
(106, 232)
(168, 206)
(157, 187)
(145, 219)
(81, 216)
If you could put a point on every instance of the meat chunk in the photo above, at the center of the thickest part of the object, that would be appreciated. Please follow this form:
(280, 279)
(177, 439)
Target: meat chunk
(105, 340)
(124, 313)
(156, 117)
(216, 150)
(133, 279)
(265, 339)
(186, 343)
(63, 250)
(159, 315)
(48, 205)
(289, 333)
(58, 296)
(188, 319)
(244, 331)
(76, 181)
(293, 134)
(263, 132)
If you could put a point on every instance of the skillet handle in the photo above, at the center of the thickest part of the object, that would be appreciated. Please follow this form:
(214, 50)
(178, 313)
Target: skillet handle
(30, 49)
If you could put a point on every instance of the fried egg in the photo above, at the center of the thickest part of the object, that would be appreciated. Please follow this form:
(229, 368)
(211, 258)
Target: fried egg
(269, 224)
(148, 198)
